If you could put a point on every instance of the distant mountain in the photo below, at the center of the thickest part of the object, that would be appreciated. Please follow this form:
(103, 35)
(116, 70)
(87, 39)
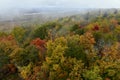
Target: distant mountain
(28, 17)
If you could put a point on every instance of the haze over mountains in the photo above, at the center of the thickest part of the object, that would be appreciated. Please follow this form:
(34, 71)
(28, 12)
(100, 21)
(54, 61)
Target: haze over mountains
(22, 12)
(29, 16)
(43, 11)
(22, 16)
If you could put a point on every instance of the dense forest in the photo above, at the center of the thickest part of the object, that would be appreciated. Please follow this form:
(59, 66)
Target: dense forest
(78, 47)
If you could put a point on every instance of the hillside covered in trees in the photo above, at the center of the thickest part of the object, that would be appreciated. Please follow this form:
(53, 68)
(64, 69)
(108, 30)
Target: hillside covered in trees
(79, 47)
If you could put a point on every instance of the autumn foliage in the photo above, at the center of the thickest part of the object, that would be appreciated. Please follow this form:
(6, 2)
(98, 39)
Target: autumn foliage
(95, 28)
(67, 49)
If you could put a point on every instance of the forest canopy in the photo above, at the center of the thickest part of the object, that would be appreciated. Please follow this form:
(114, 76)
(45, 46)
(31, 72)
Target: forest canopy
(70, 48)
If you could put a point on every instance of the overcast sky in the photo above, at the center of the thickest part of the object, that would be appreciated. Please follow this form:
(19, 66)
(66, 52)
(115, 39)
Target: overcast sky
(8, 4)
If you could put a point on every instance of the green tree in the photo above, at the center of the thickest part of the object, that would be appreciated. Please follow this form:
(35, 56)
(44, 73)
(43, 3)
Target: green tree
(19, 33)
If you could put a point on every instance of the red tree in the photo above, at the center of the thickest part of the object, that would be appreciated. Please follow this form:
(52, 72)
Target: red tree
(40, 44)
(95, 28)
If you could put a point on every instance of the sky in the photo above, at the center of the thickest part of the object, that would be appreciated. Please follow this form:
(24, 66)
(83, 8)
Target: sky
(10, 4)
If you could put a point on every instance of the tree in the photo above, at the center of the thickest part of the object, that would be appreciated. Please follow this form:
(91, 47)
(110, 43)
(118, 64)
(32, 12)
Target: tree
(19, 33)
(22, 57)
(57, 65)
(42, 31)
